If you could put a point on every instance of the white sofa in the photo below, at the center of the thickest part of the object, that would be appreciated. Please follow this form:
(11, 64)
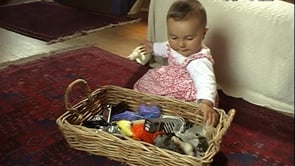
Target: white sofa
(252, 42)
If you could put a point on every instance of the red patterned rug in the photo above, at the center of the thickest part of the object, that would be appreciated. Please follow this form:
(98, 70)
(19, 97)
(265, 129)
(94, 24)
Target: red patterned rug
(257, 137)
(31, 98)
(53, 22)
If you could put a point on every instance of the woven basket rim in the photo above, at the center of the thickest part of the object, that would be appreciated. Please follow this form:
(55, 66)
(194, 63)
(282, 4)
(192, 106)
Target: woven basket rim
(81, 133)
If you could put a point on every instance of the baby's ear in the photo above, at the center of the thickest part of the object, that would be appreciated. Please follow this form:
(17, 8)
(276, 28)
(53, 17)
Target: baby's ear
(205, 32)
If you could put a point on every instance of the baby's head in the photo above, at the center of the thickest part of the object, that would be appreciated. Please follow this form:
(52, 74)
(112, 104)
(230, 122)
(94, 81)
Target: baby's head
(186, 26)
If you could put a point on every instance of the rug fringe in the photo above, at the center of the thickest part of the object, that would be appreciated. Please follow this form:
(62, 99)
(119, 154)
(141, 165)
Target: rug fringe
(85, 32)
(42, 55)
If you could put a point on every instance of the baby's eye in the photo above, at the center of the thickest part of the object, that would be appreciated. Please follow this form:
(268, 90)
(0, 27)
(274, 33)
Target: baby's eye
(173, 37)
(189, 38)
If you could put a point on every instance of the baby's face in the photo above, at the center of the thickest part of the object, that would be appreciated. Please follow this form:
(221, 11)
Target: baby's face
(185, 36)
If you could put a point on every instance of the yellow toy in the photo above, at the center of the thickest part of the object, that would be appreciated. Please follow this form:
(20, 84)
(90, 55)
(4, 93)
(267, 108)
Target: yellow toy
(125, 127)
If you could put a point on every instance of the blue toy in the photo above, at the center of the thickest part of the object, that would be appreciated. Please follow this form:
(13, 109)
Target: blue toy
(143, 112)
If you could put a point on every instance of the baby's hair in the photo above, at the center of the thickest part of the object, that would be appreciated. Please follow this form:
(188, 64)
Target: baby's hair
(182, 9)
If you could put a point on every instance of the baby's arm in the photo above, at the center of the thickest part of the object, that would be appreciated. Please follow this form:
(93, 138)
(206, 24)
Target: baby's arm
(160, 49)
(143, 53)
(202, 73)
(154, 48)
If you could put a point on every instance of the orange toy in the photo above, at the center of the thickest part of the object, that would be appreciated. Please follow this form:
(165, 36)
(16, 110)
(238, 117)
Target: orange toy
(137, 129)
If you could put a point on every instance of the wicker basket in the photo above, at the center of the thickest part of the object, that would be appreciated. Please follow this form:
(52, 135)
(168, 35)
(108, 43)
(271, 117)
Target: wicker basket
(124, 149)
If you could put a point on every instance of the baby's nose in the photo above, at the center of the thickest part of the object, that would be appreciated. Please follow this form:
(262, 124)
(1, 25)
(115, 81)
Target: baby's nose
(181, 43)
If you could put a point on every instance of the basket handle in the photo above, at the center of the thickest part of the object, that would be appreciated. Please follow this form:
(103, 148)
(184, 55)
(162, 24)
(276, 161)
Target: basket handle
(231, 113)
(81, 82)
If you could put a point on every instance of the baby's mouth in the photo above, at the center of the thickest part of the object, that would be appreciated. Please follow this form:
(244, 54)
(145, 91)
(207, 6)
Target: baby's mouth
(183, 51)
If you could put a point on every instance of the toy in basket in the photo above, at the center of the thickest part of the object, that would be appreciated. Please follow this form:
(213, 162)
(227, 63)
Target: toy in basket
(121, 144)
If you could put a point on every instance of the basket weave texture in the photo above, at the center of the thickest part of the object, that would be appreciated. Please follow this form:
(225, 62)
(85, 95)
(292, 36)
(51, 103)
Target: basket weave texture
(125, 149)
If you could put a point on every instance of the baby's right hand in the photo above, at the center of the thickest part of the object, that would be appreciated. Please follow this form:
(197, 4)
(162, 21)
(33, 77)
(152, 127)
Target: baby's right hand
(147, 47)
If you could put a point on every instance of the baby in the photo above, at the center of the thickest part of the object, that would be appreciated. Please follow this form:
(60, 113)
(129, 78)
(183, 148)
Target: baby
(189, 74)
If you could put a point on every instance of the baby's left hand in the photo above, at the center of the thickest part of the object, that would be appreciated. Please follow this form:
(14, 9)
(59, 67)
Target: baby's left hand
(210, 115)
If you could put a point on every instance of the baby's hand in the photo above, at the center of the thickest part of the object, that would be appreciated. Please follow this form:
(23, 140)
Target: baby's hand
(147, 47)
(210, 115)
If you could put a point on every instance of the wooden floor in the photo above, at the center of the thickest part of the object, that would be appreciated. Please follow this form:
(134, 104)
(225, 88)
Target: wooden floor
(119, 40)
